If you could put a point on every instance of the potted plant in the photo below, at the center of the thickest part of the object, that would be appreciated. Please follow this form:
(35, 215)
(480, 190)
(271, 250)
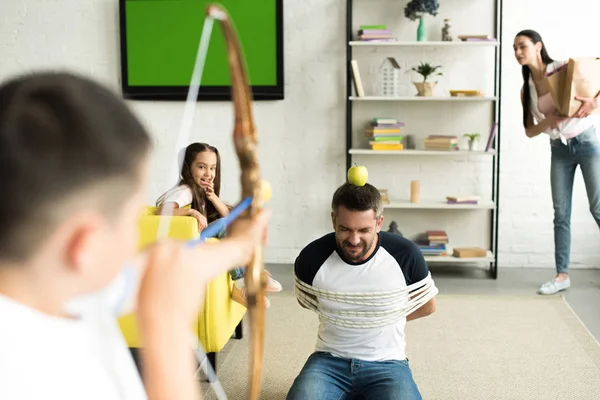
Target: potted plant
(417, 9)
(473, 140)
(426, 70)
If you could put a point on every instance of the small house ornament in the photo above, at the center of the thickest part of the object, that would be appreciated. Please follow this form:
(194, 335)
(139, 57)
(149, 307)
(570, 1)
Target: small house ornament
(390, 77)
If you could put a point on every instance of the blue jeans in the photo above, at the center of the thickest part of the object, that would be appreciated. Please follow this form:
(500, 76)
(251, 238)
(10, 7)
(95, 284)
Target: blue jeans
(325, 377)
(237, 273)
(582, 150)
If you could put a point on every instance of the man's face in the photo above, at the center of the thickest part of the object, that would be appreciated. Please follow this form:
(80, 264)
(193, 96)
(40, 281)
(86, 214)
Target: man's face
(356, 232)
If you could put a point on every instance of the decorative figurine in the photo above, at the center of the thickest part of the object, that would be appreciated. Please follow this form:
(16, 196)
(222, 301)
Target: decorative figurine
(446, 35)
(394, 228)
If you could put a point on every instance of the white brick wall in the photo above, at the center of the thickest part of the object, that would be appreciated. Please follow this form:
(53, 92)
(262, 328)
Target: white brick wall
(302, 137)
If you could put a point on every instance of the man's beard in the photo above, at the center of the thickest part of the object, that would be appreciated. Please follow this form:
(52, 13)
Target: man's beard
(360, 255)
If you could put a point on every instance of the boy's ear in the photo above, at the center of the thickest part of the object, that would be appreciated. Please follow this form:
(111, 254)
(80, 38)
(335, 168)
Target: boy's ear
(83, 241)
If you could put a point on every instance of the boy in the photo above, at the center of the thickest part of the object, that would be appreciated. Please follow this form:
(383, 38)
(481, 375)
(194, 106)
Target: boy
(73, 167)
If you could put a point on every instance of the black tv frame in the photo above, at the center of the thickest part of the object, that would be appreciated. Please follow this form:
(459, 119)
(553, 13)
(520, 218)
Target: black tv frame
(205, 93)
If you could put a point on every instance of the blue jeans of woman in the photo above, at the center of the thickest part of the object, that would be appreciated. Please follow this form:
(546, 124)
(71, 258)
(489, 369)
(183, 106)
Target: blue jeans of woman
(236, 273)
(326, 377)
(582, 150)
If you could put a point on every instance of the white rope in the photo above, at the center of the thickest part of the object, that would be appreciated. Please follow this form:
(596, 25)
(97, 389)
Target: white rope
(396, 304)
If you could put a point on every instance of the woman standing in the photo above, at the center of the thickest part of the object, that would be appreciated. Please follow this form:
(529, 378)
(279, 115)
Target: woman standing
(573, 143)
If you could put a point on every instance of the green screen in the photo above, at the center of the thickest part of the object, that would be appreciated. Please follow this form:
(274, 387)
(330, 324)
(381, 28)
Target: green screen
(163, 37)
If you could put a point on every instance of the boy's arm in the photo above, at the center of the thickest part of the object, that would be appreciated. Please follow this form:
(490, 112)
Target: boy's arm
(171, 291)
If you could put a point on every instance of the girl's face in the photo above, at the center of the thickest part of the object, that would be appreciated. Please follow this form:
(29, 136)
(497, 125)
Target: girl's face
(526, 52)
(204, 168)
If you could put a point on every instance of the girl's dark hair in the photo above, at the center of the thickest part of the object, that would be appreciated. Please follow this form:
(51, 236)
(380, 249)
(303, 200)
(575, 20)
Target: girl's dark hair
(535, 38)
(199, 201)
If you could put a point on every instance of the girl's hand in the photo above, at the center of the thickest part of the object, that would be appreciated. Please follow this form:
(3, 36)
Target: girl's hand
(210, 192)
(202, 222)
(589, 104)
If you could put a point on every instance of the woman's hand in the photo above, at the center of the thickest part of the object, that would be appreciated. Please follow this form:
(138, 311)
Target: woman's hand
(589, 104)
(202, 222)
(553, 120)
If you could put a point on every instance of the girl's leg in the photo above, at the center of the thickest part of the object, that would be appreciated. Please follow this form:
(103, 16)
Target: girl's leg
(238, 293)
(562, 172)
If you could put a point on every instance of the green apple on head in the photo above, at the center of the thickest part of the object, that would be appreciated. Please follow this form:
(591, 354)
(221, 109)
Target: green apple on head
(358, 175)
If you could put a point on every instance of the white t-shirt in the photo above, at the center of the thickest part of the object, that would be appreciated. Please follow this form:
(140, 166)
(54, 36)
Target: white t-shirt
(182, 195)
(46, 357)
(396, 263)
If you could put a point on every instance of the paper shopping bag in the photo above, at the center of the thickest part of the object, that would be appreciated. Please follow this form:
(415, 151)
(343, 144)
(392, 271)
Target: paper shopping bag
(582, 79)
(555, 81)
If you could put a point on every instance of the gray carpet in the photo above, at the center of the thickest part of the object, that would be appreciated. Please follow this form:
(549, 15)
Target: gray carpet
(473, 347)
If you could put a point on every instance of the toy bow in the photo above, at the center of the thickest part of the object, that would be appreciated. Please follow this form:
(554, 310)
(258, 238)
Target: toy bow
(245, 141)
(253, 188)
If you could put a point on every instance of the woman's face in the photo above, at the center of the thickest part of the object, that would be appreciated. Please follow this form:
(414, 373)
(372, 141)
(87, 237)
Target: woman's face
(526, 52)
(204, 168)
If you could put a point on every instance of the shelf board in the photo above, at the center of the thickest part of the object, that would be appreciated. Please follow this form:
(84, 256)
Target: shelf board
(455, 43)
(424, 98)
(459, 260)
(420, 152)
(440, 205)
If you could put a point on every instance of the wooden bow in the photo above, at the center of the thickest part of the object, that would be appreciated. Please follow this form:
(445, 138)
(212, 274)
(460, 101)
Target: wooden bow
(245, 141)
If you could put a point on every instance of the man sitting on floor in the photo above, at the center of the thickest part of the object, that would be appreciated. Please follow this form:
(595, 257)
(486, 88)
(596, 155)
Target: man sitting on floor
(360, 350)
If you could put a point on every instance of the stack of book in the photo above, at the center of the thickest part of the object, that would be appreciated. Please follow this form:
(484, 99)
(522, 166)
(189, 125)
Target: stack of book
(476, 38)
(462, 199)
(375, 33)
(384, 134)
(441, 142)
(434, 243)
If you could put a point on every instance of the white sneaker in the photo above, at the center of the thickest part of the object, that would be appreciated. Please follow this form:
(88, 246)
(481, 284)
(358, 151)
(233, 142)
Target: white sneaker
(554, 286)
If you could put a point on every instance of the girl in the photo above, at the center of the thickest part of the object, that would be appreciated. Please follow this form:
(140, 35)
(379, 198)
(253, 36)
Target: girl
(573, 142)
(199, 187)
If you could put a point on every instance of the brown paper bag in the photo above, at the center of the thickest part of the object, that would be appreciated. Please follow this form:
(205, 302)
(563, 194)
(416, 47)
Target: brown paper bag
(555, 82)
(582, 79)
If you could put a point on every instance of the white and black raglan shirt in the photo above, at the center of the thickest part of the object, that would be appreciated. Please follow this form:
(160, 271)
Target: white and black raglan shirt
(396, 263)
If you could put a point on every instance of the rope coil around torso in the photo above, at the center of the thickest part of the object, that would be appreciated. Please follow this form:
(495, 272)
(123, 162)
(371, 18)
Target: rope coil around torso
(389, 307)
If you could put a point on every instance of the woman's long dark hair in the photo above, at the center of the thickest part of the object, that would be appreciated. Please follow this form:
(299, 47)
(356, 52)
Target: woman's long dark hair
(535, 38)
(200, 201)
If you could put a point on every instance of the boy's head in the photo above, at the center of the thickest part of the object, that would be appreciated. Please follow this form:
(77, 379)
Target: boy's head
(357, 216)
(72, 170)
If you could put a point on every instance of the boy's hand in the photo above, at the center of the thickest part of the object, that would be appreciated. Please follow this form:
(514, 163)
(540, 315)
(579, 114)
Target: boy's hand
(251, 232)
(170, 292)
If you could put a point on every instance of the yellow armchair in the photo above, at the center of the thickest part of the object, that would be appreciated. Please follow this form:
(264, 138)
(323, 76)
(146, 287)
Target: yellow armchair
(220, 316)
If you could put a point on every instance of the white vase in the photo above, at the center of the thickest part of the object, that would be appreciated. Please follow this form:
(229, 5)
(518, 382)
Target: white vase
(473, 145)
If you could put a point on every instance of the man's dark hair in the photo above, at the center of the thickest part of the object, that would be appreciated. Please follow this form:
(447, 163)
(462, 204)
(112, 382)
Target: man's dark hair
(62, 136)
(357, 198)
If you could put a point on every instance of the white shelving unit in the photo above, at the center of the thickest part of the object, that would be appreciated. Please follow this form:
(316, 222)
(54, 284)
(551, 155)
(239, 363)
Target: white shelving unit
(417, 98)
(416, 152)
(425, 44)
(439, 205)
(403, 208)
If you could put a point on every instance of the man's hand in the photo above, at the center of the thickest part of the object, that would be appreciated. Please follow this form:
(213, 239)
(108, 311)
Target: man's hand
(589, 104)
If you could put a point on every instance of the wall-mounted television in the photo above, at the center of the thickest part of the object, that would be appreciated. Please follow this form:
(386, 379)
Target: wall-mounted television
(160, 38)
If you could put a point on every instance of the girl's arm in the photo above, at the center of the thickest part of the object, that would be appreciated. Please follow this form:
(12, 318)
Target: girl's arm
(220, 206)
